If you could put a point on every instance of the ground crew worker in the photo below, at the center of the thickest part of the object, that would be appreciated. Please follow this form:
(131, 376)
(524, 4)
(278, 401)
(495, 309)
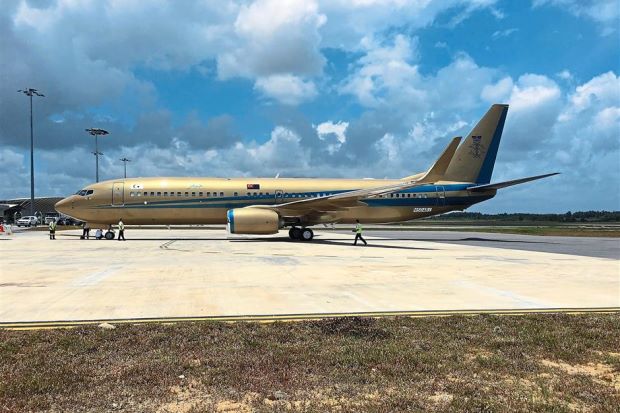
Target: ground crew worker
(52, 227)
(358, 233)
(86, 231)
(121, 229)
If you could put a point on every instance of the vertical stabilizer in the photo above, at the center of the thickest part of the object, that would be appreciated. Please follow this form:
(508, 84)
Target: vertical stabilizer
(475, 158)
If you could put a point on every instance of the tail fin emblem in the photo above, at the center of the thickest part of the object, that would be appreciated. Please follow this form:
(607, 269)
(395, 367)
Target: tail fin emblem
(476, 147)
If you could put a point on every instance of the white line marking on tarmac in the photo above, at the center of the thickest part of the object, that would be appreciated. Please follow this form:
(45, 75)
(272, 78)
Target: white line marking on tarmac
(94, 278)
(518, 299)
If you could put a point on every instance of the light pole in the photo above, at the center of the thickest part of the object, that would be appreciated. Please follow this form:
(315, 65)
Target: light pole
(29, 92)
(125, 160)
(96, 132)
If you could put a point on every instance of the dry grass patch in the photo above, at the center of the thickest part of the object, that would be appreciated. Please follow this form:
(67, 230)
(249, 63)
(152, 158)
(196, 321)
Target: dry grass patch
(555, 363)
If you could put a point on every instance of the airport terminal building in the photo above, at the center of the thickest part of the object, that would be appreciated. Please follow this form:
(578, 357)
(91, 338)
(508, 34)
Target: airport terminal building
(13, 209)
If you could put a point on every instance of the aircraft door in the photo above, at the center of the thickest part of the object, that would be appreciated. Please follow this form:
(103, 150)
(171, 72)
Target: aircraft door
(118, 193)
(279, 196)
(441, 195)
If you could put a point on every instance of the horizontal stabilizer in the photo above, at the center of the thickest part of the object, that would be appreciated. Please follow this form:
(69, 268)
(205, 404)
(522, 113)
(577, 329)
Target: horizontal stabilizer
(504, 184)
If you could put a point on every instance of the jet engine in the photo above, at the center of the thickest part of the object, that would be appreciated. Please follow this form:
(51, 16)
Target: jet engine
(252, 221)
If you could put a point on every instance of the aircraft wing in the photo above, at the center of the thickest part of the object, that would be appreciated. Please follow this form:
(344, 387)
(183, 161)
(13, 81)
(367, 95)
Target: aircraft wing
(350, 199)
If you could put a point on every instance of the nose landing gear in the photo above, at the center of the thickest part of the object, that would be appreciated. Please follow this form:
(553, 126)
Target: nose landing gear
(301, 234)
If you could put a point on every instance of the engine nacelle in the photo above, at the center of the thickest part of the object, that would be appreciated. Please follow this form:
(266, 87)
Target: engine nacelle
(252, 221)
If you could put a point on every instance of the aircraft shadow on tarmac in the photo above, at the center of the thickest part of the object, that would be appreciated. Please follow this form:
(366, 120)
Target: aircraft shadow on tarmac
(338, 242)
(471, 239)
(327, 241)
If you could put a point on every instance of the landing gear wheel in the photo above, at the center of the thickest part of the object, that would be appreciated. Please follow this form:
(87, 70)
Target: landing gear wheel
(109, 235)
(307, 234)
(294, 233)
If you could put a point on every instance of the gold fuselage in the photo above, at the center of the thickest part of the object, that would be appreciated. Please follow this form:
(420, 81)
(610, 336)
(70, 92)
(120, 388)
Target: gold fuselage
(188, 200)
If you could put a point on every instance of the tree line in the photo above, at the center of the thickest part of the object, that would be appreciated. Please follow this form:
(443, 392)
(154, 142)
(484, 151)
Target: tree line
(579, 216)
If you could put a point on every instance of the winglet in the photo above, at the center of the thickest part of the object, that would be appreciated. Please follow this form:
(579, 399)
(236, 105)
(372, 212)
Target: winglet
(438, 170)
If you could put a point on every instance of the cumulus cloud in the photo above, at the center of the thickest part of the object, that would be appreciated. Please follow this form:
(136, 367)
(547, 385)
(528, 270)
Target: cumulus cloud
(387, 74)
(384, 70)
(275, 37)
(604, 89)
(287, 89)
(333, 134)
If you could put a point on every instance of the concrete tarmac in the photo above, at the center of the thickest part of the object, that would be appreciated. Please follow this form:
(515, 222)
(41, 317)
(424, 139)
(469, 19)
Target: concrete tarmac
(201, 273)
(585, 246)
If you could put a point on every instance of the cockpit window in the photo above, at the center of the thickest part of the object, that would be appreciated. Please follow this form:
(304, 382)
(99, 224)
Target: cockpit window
(84, 192)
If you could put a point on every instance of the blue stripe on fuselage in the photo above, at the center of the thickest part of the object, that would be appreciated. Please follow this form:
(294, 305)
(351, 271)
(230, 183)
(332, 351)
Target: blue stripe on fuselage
(243, 201)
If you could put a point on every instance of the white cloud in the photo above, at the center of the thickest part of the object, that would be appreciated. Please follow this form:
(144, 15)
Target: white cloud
(504, 33)
(606, 12)
(274, 37)
(349, 21)
(387, 75)
(287, 89)
(532, 91)
(383, 71)
(565, 75)
(333, 134)
(497, 92)
(338, 129)
(604, 88)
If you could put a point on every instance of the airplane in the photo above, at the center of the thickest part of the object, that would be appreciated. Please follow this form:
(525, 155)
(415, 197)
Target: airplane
(459, 178)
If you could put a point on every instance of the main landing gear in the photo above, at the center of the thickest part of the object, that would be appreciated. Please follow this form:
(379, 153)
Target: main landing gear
(301, 234)
(109, 235)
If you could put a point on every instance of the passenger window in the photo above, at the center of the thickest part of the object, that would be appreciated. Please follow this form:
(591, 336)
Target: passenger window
(221, 193)
(193, 193)
(158, 193)
(165, 193)
(248, 194)
(187, 194)
(199, 193)
(208, 193)
(139, 193)
(236, 194)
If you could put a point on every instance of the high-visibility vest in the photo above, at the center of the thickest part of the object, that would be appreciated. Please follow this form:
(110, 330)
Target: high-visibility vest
(358, 228)
(53, 226)
(121, 226)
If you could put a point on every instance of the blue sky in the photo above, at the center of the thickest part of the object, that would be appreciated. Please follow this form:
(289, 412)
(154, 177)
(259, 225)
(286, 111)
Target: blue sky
(369, 88)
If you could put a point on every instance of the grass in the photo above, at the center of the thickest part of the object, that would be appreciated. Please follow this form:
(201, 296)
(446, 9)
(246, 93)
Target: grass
(551, 363)
(564, 231)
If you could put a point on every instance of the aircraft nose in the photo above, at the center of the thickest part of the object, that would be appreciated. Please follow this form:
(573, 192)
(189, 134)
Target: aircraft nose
(63, 206)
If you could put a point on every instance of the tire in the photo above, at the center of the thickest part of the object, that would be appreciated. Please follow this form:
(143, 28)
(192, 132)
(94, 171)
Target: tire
(109, 235)
(295, 233)
(306, 234)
